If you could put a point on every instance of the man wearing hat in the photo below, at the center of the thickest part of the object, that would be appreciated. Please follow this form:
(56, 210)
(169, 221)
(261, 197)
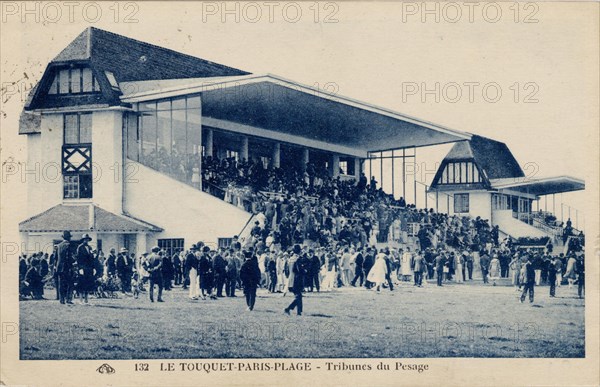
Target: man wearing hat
(250, 276)
(64, 269)
(111, 263)
(191, 268)
(34, 281)
(85, 262)
(154, 267)
(296, 281)
(580, 270)
(205, 271)
(124, 270)
(529, 279)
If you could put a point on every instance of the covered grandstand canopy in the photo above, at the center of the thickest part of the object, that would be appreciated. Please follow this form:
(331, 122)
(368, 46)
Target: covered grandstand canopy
(541, 186)
(269, 102)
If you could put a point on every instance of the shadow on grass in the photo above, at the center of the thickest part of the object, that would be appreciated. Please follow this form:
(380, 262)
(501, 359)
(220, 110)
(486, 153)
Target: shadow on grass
(121, 307)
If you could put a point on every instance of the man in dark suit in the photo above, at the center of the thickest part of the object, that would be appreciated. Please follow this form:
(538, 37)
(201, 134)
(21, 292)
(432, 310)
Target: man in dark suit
(154, 267)
(111, 263)
(580, 271)
(250, 277)
(206, 273)
(124, 270)
(64, 269)
(296, 283)
(551, 277)
(177, 267)
(440, 261)
(367, 265)
(484, 262)
(358, 269)
(219, 268)
(529, 280)
(85, 263)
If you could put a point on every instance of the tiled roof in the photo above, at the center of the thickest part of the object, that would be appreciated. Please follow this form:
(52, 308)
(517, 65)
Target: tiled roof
(84, 218)
(29, 123)
(492, 156)
(129, 60)
(133, 60)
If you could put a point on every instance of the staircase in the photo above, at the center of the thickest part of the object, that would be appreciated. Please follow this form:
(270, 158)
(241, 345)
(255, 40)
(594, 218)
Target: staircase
(181, 210)
(514, 227)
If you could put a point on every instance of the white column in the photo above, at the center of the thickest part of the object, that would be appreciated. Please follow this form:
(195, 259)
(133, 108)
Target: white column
(244, 149)
(141, 243)
(335, 165)
(276, 158)
(305, 158)
(209, 143)
(357, 170)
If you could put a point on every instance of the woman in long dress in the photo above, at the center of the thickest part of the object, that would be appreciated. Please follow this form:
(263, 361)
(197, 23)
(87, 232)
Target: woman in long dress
(570, 274)
(378, 272)
(515, 268)
(495, 269)
(405, 265)
(330, 278)
(459, 261)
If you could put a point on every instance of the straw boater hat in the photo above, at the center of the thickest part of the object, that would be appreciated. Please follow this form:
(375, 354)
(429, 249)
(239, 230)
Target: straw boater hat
(86, 236)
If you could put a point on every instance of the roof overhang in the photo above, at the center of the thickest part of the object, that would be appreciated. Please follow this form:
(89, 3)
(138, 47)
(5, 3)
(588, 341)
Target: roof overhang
(540, 187)
(276, 104)
(85, 217)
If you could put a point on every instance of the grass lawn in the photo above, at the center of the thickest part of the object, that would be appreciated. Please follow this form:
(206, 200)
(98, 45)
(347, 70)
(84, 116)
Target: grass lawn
(457, 320)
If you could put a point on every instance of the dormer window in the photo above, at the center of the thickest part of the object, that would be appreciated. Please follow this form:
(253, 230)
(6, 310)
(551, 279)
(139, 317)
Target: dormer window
(460, 173)
(74, 81)
(112, 80)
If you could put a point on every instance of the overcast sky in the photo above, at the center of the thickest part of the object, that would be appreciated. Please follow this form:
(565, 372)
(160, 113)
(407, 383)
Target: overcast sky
(545, 53)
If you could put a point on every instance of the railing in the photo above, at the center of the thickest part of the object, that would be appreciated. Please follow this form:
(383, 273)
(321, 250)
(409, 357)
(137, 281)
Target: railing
(436, 200)
(229, 196)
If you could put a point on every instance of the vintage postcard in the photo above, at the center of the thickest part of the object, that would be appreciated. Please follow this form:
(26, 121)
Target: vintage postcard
(300, 193)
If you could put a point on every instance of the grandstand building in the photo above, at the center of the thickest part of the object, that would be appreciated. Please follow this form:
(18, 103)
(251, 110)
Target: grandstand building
(126, 124)
(483, 178)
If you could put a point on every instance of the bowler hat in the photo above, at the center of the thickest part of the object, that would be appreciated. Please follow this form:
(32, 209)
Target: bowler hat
(66, 234)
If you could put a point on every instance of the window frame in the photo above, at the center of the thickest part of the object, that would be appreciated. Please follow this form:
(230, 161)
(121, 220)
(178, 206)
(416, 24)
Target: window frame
(459, 203)
(74, 75)
(78, 128)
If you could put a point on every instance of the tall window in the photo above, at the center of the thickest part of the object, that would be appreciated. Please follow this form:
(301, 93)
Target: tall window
(343, 167)
(461, 203)
(77, 156)
(171, 245)
(74, 81)
(78, 128)
(168, 137)
(347, 166)
(460, 173)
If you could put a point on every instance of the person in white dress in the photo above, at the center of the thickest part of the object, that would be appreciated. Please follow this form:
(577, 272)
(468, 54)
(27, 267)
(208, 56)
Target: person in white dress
(406, 265)
(330, 278)
(459, 261)
(378, 272)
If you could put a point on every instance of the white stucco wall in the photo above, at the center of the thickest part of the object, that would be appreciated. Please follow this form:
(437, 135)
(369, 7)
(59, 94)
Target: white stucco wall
(182, 211)
(107, 153)
(479, 204)
(44, 163)
(43, 170)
